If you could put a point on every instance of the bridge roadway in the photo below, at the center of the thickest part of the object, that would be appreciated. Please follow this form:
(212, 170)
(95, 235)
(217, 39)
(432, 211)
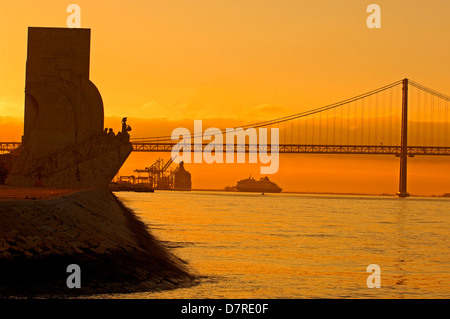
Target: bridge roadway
(295, 149)
(6, 147)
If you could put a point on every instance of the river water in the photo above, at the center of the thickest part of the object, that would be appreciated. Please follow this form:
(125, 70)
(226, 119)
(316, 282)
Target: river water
(248, 245)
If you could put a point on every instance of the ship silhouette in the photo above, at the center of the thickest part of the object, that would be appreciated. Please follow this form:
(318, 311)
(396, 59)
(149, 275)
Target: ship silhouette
(263, 185)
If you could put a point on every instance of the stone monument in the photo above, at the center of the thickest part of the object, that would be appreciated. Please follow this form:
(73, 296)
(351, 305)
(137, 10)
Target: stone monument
(64, 143)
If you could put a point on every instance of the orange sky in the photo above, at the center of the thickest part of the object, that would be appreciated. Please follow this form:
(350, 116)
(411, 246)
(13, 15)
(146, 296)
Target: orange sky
(243, 60)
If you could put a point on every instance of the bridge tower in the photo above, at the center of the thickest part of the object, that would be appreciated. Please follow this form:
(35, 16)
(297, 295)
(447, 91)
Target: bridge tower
(402, 192)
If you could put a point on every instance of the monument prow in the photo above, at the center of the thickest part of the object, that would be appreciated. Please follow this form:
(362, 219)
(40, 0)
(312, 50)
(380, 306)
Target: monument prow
(61, 213)
(64, 142)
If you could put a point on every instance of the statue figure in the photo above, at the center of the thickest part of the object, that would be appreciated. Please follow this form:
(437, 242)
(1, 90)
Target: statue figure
(125, 128)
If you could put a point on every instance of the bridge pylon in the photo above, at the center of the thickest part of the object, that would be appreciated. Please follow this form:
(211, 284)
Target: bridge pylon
(402, 192)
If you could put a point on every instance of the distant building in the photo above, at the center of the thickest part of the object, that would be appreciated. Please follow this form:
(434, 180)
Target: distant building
(182, 179)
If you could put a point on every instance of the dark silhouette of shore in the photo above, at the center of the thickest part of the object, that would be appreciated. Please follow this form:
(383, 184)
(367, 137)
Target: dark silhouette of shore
(90, 228)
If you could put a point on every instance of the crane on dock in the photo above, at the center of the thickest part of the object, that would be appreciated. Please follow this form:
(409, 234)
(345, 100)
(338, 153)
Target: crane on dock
(157, 176)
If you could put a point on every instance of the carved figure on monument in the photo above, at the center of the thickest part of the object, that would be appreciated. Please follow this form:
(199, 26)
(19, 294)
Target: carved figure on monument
(124, 125)
(123, 135)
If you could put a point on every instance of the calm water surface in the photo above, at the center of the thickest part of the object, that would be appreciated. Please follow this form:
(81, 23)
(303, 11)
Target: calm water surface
(301, 246)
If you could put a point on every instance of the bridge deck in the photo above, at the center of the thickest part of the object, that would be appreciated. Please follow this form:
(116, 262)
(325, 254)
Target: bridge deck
(294, 148)
(6, 147)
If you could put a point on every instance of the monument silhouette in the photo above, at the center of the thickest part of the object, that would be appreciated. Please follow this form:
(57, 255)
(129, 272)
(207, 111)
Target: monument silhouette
(75, 219)
(64, 142)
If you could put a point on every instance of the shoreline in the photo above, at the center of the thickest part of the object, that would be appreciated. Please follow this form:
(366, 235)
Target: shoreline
(115, 250)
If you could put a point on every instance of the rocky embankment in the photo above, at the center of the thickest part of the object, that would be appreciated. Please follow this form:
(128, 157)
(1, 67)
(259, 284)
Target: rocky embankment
(39, 239)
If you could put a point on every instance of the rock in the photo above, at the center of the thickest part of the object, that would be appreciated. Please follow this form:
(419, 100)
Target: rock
(6, 254)
(109, 256)
(3, 245)
(48, 228)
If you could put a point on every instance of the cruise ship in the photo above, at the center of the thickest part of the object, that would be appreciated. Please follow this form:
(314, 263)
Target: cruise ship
(264, 185)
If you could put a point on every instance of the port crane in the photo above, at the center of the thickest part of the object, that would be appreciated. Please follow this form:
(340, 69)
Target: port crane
(156, 174)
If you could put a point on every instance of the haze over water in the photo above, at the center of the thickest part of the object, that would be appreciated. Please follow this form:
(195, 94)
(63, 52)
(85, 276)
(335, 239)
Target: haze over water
(300, 246)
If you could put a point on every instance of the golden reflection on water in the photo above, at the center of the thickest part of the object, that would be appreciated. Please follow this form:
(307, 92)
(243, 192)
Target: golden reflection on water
(301, 246)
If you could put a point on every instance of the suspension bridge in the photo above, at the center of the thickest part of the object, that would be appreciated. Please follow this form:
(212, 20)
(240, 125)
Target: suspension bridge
(404, 119)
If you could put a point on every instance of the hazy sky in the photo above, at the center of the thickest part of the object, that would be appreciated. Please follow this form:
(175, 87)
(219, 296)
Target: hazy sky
(210, 58)
(239, 59)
